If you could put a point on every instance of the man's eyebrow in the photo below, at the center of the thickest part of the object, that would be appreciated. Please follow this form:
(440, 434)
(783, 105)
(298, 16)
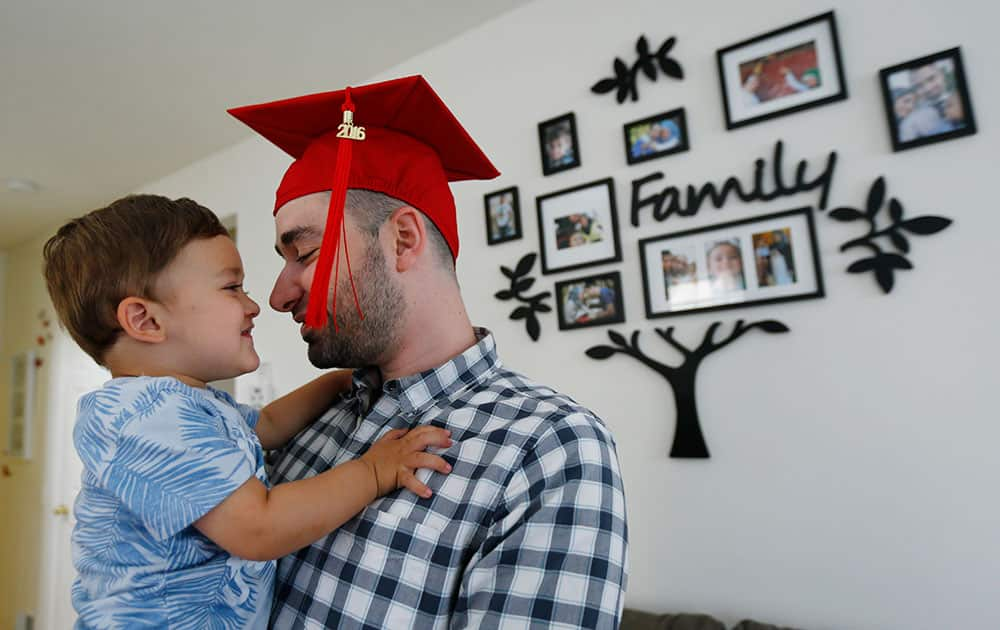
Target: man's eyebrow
(289, 237)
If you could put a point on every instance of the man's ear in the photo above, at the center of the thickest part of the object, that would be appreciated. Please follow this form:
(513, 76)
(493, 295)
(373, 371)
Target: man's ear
(137, 318)
(409, 236)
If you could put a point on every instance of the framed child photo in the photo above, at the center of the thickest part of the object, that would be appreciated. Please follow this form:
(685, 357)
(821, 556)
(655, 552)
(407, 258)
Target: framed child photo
(927, 100)
(761, 260)
(787, 70)
(503, 216)
(656, 136)
(578, 227)
(560, 148)
(591, 301)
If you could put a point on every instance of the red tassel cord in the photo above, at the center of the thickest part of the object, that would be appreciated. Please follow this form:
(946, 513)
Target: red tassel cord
(335, 233)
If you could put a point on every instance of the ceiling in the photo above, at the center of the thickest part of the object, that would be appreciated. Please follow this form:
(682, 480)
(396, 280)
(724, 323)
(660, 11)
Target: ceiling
(100, 97)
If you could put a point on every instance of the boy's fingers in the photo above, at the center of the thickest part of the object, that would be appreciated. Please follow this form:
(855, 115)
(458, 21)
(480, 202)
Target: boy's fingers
(422, 437)
(426, 460)
(394, 434)
(411, 483)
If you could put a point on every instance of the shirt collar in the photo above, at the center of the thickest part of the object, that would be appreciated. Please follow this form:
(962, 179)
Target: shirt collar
(419, 392)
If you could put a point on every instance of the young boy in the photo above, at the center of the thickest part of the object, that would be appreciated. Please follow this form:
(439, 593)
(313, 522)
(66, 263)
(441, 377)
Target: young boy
(177, 526)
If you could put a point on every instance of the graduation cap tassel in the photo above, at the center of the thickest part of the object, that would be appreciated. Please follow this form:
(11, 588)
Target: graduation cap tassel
(335, 232)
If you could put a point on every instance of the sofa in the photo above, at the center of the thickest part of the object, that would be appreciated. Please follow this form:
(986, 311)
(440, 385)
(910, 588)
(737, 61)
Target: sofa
(633, 619)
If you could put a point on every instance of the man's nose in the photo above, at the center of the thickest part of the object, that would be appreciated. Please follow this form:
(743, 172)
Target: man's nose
(285, 294)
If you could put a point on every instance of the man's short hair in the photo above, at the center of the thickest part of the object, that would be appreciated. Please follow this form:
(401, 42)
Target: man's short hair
(372, 209)
(97, 260)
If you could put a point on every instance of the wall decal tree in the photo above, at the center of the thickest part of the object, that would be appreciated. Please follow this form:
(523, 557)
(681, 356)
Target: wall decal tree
(688, 439)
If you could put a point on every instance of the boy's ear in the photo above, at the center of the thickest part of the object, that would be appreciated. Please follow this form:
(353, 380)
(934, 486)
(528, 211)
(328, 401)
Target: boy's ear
(409, 234)
(136, 317)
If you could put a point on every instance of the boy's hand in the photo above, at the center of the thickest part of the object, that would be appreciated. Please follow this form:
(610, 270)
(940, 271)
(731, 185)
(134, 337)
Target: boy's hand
(396, 455)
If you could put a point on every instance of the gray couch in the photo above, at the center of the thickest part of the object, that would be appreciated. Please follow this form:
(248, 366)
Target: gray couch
(639, 620)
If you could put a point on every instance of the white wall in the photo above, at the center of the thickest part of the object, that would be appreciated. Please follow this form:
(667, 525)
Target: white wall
(853, 478)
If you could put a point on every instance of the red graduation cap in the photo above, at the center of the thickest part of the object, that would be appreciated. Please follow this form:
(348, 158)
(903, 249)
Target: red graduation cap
(395, 137)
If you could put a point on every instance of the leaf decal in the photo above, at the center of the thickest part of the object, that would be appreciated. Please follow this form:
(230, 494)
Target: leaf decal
(863, 265)
(520, 312)
(895, 210)
(772, 326)
(846, 214)
(504, 294)
(876, 195)
(604, 86)
(533, 327)
(671, 68)
(525, 264)
(617, 338)
(600, 352)
(523, 284)
(925, 225)
(899, 241)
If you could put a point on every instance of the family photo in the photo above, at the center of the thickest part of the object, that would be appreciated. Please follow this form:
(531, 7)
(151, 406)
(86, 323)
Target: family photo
(927, 100)
(590, 301)
(559, 146)
(780, 74)
(656, 136)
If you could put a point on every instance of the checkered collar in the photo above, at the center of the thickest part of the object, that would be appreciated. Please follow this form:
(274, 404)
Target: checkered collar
(419, 392)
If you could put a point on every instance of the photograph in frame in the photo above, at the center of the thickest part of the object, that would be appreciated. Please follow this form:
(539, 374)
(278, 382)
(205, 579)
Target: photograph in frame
(761, 260)
(927, 100)
(787, 70)
(656, 136)
(578, 227)
(591, 301)
(558, 144)
(503, 216)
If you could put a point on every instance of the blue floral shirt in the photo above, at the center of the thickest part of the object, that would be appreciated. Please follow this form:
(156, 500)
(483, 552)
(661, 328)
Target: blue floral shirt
(157, 456)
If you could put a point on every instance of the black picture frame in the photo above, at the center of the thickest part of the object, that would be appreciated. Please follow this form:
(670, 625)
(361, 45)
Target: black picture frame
(676, 142)
(558, 130)
(497, 230)
(677, 274)
(773, 95)
(576, 310)
(932, 117)
(559, 224)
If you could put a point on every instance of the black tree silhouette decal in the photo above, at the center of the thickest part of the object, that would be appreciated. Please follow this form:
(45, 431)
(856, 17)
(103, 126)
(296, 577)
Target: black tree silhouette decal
(624, 79)
(884, 264)
(688, 440)
(533, 304)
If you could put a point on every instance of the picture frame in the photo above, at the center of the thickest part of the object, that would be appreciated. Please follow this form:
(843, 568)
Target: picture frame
(503, 216)
(578, 227)
(761, 260)
(590, 301)
(21, 404)
(656, 136)
(787, 70)
(927, 100)
(558, 144)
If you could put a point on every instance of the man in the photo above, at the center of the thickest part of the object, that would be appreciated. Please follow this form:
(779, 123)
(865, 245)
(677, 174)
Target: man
(528, 529)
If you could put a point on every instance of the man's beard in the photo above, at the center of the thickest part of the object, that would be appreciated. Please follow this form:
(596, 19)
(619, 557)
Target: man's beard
(361, 342)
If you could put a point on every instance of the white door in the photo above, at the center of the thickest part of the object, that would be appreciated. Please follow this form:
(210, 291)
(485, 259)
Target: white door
(72, 374)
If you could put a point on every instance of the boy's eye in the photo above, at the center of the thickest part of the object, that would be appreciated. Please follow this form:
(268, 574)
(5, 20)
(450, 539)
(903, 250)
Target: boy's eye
(236, 287)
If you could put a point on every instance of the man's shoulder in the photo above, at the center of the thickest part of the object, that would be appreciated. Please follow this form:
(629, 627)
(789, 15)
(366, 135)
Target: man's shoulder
(542, 408)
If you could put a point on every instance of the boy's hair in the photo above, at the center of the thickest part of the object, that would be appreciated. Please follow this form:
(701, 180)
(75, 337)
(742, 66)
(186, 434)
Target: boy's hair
(97, 260)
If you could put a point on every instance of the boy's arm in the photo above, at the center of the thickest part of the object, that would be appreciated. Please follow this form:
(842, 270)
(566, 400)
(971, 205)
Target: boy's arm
(260, 524)
(282, 420)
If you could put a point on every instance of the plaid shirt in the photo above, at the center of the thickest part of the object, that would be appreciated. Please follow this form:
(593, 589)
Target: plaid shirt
(527, 531)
